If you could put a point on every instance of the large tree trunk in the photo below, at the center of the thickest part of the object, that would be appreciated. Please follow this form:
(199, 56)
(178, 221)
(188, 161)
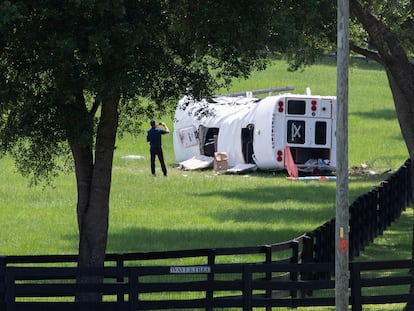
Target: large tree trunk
(406, 119)
(93, 218)
(400, 73)
(94, 183)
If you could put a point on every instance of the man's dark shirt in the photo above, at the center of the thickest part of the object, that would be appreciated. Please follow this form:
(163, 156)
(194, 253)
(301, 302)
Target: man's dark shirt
(154, 137)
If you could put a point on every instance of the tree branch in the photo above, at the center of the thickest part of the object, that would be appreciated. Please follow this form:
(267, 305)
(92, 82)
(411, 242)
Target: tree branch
(387, 43)
(367, 53)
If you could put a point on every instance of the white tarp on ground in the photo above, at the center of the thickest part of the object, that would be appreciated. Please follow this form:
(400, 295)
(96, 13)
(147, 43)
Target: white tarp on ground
(242, 168)
(133, 157)
(197, 163)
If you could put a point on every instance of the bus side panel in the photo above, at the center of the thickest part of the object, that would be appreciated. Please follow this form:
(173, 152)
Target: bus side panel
(265, 151)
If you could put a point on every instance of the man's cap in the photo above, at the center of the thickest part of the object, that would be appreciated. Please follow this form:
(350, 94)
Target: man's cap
(152, 122)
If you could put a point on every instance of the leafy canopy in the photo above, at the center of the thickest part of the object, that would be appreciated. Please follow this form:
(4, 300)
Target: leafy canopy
(59, 59)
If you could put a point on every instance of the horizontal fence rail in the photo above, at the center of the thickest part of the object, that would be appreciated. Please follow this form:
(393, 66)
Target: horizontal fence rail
(243, 286)
(291, 274)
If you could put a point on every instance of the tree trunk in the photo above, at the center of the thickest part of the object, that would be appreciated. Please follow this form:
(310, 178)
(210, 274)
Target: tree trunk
(400, 73)
(93, 184)
(399, 69)
(406, 117)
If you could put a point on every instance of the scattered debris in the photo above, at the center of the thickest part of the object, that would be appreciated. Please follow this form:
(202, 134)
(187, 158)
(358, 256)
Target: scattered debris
(197, 163)
(364, 169)
(133, 157)
(242, 168)
(320, 178)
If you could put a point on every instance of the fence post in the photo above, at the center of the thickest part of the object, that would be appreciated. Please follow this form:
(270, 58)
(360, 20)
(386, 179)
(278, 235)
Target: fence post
(318, 245)
(324, 242)
(386, 185)
(211, 259)
(400, 192)
(133, 295)
(2, 288)
(10, 295)
(371, 217)
(401, 188)
(268, 260)
(364, 221)
(331, 239)
(247, 288)
(293, 276)
(120, 279)
(381, 208)
(2, 282)
(307, 256)
(307, 248)
(353, 231)
(375, 206)
(356, 291)
(393, 181)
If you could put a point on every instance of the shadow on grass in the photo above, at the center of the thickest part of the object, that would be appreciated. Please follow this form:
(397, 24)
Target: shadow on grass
(318, 194)
(395, 243)
(244, 227)
(144, 239)
(294, 221)
(300, 215)
(305, 193)
(378, 114)
(259, 216)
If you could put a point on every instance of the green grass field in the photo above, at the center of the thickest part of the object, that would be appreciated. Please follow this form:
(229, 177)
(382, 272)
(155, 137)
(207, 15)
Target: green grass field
(200, 209)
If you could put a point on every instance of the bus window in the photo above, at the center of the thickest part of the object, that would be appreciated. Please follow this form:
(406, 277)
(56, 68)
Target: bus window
(320, 133)
(208, 139)
(295, 132)
(296, 107)
(247, 143)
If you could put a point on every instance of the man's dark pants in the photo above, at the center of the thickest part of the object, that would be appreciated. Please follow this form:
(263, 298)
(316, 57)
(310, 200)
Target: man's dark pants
(157, 152)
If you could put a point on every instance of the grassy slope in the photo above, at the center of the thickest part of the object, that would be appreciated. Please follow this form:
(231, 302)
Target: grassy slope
(200, 209)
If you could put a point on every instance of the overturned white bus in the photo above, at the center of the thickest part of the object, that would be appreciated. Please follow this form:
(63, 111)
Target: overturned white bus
(258, 131)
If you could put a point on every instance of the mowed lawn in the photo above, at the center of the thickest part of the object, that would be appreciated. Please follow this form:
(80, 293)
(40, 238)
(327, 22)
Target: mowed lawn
(200, 209)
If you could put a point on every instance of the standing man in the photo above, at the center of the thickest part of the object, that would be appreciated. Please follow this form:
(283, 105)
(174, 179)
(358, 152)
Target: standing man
(154, 138)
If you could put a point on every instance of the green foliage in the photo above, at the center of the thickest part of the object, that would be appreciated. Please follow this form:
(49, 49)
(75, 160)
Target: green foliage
(59, 59)
(303, 30)
(396, 15)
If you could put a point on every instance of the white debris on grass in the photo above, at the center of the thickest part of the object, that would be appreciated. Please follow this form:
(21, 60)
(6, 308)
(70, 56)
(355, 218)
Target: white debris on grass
(133, 157)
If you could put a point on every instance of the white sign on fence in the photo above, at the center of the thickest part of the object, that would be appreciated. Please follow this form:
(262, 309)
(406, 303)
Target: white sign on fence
(192, 269)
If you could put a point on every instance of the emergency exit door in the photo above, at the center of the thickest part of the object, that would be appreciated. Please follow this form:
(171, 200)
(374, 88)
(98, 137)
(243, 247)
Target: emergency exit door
(308, 132)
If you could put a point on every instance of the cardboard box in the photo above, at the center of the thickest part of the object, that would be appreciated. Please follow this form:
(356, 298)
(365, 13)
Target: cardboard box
(220, 161)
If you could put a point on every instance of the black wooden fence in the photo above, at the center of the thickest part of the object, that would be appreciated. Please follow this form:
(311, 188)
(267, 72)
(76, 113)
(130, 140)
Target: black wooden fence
(203, 287)
(370, 215)
(294, 273)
